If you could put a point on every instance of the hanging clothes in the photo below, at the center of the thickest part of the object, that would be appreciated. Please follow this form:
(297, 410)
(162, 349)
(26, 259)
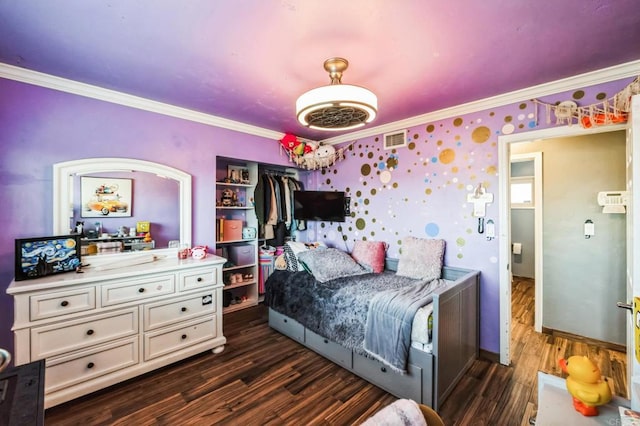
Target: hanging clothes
(273, 197)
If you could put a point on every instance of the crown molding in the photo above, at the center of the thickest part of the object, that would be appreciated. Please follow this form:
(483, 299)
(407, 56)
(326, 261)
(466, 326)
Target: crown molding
(629, 69)
(36, 78)
(605, 75)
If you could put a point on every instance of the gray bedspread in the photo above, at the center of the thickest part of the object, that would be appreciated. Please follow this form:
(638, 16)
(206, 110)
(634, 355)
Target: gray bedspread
(338, 309)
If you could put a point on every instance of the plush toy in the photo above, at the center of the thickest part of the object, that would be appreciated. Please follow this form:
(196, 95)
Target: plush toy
(289, 141)
(199, 252)
(585, 384)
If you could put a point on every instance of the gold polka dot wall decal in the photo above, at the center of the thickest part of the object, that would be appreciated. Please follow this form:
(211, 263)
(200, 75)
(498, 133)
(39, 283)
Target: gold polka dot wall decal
(428, 191)
(439, 143)
(491, 114)
(322, 225)
(370, 155)
(578, 94)
(447, 156)
(457, 122)
(491, 170)
(365, 170)
(431, 128)
(366, 201)
(469, 230)
(460, 255)
(373, 191)
(600, 96)
(416, 136)
(481, 134)
(360, 224)
(412, 145)
(508, 119)
(328, 181)
(522, 106)
(454, 169)
(395, 185)
(460, 241)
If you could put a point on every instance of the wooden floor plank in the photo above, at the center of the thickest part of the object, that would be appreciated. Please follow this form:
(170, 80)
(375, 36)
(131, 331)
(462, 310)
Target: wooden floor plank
(265, 378)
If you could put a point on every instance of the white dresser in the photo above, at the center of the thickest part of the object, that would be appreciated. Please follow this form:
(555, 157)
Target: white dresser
(98, 328)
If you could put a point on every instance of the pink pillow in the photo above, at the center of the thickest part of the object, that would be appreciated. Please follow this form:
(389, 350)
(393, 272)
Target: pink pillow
(370, 254)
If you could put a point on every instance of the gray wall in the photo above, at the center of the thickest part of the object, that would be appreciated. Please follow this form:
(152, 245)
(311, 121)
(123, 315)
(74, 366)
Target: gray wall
(583, 278)
(522, 228)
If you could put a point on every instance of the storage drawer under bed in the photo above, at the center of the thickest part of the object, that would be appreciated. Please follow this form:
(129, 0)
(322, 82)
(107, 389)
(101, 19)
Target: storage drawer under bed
(286, 325)
(407, 385)
(335, 352)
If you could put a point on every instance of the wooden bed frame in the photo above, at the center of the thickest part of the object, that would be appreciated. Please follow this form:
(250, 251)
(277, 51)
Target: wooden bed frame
(431, 376)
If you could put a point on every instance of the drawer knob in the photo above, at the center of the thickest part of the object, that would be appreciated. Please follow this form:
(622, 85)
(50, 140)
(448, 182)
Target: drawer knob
(64, 303)
(184, 336)
(383, 369)
(141, 290)
(326, 341)
(89, 332)
(90, 365)
(285, 320)
(199, 279)
(183, 309)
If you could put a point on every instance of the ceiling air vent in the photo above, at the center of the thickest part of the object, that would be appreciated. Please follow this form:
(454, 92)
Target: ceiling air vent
(395, 140)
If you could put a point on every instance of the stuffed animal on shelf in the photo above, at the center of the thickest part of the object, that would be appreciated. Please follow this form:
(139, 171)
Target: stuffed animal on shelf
(585, 384)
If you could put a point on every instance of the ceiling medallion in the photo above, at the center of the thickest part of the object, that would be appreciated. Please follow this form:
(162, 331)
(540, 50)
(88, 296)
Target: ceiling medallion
(337, 106)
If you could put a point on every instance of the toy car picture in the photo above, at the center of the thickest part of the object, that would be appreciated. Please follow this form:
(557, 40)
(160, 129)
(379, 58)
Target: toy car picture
(106, 204)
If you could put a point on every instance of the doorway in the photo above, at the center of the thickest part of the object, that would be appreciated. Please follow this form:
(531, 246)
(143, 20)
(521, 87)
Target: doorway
(505, 219)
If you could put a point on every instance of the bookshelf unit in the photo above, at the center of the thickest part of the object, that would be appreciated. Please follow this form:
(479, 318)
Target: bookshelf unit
(235, 184)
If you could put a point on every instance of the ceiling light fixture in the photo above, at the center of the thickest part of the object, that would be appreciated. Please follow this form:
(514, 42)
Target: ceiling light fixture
(336, 106)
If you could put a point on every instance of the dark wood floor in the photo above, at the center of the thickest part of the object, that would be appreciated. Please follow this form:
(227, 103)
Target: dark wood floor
(263, 378)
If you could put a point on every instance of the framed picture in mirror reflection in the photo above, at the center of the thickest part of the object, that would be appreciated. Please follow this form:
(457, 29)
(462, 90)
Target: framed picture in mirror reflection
(106, 197)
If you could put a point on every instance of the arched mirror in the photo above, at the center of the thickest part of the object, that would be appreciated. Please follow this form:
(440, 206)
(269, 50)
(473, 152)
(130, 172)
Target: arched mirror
(113, 199)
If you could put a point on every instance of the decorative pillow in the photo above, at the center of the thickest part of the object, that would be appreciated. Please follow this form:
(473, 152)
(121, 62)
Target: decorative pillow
(329, 264)
(370, 254)
(421, 258)
(293, 248)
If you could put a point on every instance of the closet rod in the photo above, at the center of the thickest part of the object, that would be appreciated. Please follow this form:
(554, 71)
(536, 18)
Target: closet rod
(278, 172)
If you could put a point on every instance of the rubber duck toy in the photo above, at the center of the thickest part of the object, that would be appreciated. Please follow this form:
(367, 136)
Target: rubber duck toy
(585, 384)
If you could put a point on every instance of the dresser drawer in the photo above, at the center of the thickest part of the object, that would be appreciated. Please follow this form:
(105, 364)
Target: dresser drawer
(167, 312)
(73, 335)
(130, 291)
(165, 341)
(286, 326)
(198, 278)
(335, 352)
(81, 366)
(405, 385)
(47, 305)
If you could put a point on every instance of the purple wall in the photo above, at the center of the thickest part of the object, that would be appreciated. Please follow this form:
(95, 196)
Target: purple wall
(419, 190)
(40, 127)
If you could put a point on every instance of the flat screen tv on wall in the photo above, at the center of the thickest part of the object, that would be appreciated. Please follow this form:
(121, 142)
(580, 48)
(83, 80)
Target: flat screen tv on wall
(329, 206)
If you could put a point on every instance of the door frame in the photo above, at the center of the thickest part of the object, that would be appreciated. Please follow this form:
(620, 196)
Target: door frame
(504, 234)
(536, 157)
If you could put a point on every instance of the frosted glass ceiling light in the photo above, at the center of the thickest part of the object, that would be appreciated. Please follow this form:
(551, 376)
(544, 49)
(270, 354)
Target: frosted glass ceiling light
(336, 106)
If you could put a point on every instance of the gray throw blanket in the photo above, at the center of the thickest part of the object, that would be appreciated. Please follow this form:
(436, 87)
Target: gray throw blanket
(387, 335)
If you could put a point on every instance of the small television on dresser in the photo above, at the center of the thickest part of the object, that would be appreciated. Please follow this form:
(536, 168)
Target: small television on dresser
(328, 206)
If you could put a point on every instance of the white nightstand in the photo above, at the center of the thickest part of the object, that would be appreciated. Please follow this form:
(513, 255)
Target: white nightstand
(555, 406)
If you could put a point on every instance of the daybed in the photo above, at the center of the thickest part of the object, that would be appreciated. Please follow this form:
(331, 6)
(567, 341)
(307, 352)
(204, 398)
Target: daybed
(432, 368)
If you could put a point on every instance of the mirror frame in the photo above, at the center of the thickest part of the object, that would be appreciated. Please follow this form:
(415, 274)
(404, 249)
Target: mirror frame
(63, 188)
